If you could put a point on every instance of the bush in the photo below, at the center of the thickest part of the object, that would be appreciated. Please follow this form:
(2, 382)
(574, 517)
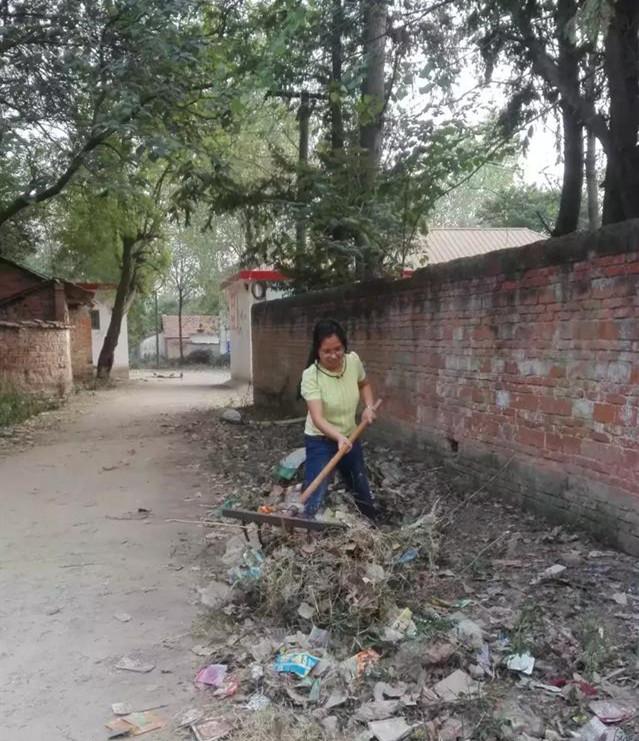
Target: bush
(198, 357)
(16, 406)
(221, 361)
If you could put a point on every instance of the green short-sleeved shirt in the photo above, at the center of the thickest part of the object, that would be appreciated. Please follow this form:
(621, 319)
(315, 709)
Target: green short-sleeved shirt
(338, 392)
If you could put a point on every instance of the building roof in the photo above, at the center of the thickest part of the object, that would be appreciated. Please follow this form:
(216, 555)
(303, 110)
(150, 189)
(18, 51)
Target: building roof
(75, 293)
(261, 275)
(99, 286)
(451, 243)
(192, 324)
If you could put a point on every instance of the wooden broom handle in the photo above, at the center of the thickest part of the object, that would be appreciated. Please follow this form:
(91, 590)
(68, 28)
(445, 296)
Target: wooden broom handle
(328, 468)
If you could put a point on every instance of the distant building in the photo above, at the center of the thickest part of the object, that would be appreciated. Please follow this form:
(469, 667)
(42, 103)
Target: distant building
(242, 290)
(452, 243)
(200, 334)
(45, 330)
(103, 299)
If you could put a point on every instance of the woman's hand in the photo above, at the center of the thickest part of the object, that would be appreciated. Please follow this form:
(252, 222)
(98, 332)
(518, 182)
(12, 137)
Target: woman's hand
(343, 443)
(369, 416)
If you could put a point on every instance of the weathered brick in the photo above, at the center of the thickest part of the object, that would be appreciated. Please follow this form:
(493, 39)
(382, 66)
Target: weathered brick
(606, 413)
(551, 405)
(36, 357)
(531, 353)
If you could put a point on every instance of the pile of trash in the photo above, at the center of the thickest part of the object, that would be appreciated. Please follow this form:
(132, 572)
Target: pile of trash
(460, 617)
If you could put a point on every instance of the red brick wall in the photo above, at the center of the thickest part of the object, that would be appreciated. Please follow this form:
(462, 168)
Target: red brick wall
(81, 348)
(35, 357)
(38, 304)
(523, 361)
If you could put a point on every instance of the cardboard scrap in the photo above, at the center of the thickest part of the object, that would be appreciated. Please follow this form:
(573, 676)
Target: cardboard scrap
(393, 729)
(135, 724)
(610, 712)
(129, 664)
(524, 663)
(306, 611)
(456, 684)
(595, 730)
(377, 710)
(335, 699)
(211, 729)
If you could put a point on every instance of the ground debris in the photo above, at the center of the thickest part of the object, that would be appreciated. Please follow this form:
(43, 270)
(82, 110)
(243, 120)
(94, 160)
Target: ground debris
(456, 686)
(130, 664)
(394, 729)
(414, 624)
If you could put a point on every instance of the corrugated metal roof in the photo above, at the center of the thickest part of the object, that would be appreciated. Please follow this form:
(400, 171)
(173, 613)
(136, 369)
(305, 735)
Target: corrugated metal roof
(442, 245)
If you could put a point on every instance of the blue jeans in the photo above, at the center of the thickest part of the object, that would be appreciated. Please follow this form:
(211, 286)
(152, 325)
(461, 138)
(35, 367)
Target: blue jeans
(319, 451)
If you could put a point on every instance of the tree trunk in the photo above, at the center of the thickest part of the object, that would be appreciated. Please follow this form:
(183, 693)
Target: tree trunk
(123, 297)
(371, 127)
(613, 210)
(570, 202)
(622, 70)
(303, 116)
(371, 118)
(335, 88)
(180, 304)
(592, 182)
(592, 177)
(573, 144)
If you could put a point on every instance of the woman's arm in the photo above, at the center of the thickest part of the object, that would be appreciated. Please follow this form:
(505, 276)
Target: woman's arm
(366, 393)
(317, 415)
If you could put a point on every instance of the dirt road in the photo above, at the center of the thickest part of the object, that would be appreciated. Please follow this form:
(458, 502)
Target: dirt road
(75, 553)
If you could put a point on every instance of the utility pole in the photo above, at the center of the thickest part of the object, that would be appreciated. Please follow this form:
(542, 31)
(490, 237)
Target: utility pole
(157, 331)
(303, 116)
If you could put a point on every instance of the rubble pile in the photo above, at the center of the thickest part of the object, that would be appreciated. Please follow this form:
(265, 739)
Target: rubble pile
(460, 617)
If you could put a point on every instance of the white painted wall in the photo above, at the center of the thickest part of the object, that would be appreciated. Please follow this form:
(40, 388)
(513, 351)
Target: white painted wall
(103, 303)
(147, 347)
(240, 300)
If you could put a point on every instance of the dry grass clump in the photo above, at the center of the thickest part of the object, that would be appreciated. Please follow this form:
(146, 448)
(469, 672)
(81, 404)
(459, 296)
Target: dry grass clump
(353, 580)
(277, 724)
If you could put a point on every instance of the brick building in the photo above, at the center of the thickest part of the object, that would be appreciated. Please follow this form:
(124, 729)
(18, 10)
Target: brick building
(45, 339)
(200, 332)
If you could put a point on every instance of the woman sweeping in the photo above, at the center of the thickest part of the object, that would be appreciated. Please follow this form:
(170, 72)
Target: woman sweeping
(332, 386)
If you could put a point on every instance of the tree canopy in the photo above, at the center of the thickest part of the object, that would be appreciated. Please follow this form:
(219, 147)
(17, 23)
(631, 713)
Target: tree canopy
(329, 134)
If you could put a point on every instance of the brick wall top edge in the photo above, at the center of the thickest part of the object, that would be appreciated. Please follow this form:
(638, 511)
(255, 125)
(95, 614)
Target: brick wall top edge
(610, 240)
(34, 324)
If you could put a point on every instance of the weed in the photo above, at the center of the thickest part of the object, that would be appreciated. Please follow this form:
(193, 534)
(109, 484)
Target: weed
(432, 626)
(522, 637)
(15, 406)
(596, 646)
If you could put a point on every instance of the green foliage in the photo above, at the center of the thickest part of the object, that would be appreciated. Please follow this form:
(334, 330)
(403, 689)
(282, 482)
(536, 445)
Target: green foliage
(94, 224)
(521, 205)
(460, 207)
(76, 78)
(347, 222)
(596, 645)
(16, 406)
(525, 205)
(140, 321)
(174, 125)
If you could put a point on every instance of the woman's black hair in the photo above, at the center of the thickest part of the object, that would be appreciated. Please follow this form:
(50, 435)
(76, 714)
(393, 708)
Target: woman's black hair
(323, 329)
